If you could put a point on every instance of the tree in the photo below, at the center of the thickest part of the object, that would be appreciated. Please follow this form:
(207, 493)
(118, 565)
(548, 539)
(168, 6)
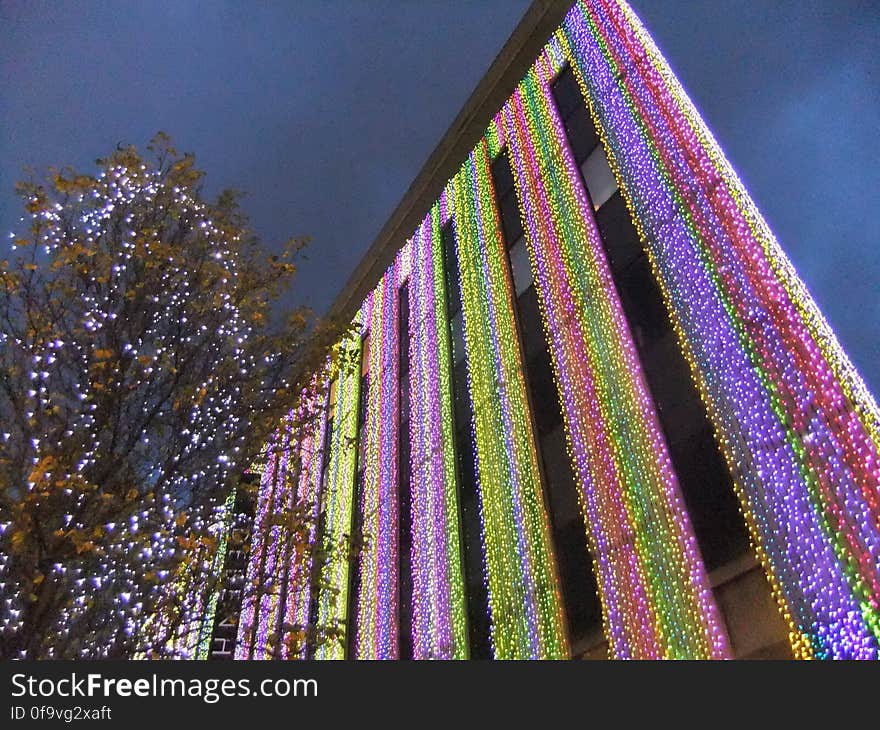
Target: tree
(141, 371)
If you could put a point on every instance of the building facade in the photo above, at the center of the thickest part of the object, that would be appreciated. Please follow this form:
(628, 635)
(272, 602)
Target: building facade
(590, 409)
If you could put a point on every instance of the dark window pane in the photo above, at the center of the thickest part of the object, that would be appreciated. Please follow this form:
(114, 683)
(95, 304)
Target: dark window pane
(711, 502)
(567, 93)
(643, 302)
(563, 497)
(545, 403)
(356, 545)
(619, 235)
(453, 291)
(404, 495)
(502, 175)
(575, 117)
(511, 223)
(581, 135)
(364, 400)
(478, 601)
(579, 589)
(530, 324)
(456, 327)
(403, 334)
(326, 447)
(673, 388)
(598, 177)
(466, 464)
(461, 399)
(356, 537)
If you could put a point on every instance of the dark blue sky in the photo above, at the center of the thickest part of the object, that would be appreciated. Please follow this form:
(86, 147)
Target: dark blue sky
(323, 112)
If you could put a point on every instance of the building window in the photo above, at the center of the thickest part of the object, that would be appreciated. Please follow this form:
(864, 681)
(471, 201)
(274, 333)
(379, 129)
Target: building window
(404, 493)
(600, 181)
(479, 626)
(580, 592)
(589, 154)
(575, 116)
(520, 267)
(450, 272)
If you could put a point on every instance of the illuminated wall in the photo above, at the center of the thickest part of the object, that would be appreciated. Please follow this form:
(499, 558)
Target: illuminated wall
(656, 599)
(376, 623)
(311, 425)
(337, 499)
(277, 592)
(184, 629)
(439, 623)
(797, 427)
(247, 645)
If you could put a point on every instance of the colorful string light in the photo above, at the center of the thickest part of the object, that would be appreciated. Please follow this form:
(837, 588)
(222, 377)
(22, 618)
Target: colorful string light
(795, 422)
(255, 575)
(524, 597)
(797, 426)
(656, 598)
(275, 605)
(376, 622)
(338, 500)
(311, 429)
(439, 623)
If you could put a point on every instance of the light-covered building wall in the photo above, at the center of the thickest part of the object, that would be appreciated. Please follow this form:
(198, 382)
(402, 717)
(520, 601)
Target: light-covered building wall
(442, 456)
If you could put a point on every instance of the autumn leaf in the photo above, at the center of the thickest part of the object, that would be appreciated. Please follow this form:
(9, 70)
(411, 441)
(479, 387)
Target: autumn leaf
(19, 538)
(43, 467)
(85, 546)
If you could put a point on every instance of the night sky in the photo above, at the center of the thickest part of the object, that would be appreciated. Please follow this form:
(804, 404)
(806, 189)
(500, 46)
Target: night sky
(324, 112)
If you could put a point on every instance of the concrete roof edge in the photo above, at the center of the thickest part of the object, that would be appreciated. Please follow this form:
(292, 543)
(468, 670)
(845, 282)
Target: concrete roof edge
(509, 67)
